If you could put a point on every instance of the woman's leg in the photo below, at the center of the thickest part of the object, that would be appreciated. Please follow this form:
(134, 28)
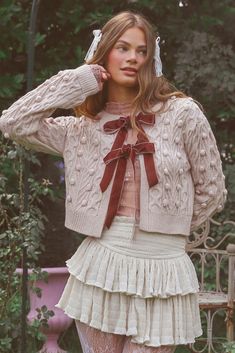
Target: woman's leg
(130, 347)
(96, 341)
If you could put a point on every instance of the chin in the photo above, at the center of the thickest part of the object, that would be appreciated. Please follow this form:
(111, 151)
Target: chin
(129, 83)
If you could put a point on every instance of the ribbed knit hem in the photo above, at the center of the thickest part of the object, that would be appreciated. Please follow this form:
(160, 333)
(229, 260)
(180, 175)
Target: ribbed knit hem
(92, 225)
(84, 223)
(87, 80)
(165, 223)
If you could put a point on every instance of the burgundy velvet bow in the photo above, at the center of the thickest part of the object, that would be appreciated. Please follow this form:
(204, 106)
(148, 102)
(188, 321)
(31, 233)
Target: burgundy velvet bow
(116, 159)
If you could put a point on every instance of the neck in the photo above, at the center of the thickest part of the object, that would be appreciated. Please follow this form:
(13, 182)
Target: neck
(117, 93)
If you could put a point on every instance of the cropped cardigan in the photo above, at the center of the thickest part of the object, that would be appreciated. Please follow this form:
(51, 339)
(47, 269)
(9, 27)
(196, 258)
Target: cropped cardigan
(190, 186)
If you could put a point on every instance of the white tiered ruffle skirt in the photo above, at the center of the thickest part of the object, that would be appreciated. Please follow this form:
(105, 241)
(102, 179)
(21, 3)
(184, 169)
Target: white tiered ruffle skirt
(144, 286)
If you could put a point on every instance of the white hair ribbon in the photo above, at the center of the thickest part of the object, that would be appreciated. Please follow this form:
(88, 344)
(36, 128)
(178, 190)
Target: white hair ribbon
(97, 37)
(157, 59)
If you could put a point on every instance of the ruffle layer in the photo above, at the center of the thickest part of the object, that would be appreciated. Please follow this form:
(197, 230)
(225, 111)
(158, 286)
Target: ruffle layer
(153, 321)
(142, 277)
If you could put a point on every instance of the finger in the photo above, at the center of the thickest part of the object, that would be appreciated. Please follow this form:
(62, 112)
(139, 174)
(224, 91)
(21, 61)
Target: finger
(105, 76)
(103, 70)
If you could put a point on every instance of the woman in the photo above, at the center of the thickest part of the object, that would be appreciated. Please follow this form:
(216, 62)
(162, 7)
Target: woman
(142, 170)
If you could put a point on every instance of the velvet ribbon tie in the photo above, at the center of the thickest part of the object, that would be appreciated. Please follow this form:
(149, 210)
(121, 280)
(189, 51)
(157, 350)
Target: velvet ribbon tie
(116, 159)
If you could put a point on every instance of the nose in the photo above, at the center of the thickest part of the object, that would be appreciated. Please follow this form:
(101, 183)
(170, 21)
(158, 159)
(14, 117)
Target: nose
(132, 56)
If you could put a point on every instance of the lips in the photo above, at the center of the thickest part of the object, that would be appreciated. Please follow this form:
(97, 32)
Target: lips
(129, 69)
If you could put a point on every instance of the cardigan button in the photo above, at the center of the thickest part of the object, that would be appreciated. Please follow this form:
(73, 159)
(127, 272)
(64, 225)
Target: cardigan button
(202, 153)
(198, 192)
(83, 139)
(225, 192)
(84, 203)
(177, 203)
(202, 169)
(178, 155)
(181, 170)
(165, 202)
(213, 180)
(204, 135)
(91, 171)
(180, 123)
(52, 88)
(177, 140)
(211, 193)
(167, 186)
(11, 121)
(178, 187)
(166, 171)
(200, 181)
(212, 163)
(6, 135)
(38, 99)
(66, 78)
(80, 153)
(72, 181)
(165, 136)
(165, 153)
(69, 198)
(23, 109)
(203, 205)
(167, 121)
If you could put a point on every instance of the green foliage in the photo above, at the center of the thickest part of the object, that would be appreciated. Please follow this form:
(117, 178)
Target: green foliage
(205, 68)
(229, 347)
(19, 229)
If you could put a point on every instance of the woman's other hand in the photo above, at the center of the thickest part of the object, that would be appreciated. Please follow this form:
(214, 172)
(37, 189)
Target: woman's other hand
(100, 73)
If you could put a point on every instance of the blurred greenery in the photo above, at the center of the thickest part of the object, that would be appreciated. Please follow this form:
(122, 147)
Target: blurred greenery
(197, 50)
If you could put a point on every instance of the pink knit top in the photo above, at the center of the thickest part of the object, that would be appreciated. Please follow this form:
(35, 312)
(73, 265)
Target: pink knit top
(129, 204)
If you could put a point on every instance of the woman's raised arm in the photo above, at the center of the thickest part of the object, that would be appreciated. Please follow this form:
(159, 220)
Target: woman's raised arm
(28, 120)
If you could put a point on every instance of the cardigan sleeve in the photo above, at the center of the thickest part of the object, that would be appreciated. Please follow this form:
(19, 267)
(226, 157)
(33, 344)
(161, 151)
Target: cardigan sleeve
(28, 120)
(206, 166)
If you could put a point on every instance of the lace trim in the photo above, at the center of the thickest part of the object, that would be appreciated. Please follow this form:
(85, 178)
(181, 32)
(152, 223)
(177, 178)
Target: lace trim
(118, 107)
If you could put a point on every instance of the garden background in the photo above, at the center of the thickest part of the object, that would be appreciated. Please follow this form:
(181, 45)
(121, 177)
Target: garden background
(197, 51)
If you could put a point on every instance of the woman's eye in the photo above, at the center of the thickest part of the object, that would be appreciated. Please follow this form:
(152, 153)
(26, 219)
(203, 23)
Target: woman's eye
(143, 52)
(122, 48)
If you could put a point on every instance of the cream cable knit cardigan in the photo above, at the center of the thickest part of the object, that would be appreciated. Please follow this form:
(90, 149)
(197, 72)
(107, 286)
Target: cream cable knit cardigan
(191, 183)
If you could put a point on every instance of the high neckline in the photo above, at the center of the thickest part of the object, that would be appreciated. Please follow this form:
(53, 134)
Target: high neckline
(118, 107)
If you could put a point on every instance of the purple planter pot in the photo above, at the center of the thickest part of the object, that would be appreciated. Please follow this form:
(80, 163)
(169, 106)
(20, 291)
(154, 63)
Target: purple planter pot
(51, 292)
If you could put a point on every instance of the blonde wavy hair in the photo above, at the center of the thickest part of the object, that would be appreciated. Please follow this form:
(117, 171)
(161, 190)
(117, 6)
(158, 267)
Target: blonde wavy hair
(151, 89)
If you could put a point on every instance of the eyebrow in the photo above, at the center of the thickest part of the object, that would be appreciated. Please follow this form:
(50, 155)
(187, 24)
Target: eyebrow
(123, 41)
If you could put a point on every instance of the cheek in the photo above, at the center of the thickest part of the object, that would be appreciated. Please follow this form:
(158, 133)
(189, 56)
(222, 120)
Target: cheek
(113, 61)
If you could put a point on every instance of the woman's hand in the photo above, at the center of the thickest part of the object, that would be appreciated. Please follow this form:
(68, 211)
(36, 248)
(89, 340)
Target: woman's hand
(100, 73)
(105, 75)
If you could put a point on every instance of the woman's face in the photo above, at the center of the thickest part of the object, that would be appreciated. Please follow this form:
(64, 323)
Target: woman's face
(126, 57)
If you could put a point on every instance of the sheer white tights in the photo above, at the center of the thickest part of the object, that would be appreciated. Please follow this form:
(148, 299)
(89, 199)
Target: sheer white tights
(96, 341)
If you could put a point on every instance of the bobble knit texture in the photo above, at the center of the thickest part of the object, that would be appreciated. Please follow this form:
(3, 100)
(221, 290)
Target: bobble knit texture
(191, 182)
